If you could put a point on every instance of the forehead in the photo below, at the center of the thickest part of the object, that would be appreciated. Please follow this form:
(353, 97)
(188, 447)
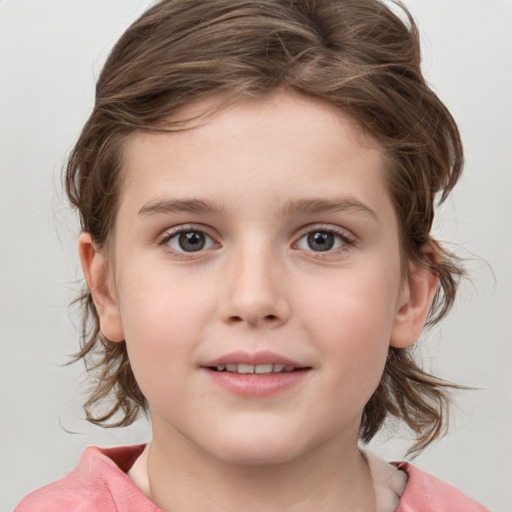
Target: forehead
(285, 142)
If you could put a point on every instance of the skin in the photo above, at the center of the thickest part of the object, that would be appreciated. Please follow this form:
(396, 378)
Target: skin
(258, 285)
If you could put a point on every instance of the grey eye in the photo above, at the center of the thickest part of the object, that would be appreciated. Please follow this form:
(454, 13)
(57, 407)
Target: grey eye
(321, 241)
(190, 241)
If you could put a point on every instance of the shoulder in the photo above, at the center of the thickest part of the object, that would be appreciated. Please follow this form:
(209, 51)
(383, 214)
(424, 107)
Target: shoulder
(98, 484)
(426, 493)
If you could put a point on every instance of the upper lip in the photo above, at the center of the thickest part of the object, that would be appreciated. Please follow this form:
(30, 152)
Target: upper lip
(256, 358)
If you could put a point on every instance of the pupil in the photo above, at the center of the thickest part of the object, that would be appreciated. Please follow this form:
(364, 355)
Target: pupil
(321, 241)
(191, 241)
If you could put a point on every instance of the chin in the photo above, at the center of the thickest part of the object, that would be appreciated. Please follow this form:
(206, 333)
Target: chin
(256, 456)
(256, 447)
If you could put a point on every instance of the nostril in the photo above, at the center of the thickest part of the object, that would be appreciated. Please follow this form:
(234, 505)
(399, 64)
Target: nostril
(250, 319)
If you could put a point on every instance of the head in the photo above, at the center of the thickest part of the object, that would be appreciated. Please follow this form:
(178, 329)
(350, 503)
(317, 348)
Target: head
(357, 56)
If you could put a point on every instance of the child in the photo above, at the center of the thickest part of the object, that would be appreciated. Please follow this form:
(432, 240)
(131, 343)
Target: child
(256, 187)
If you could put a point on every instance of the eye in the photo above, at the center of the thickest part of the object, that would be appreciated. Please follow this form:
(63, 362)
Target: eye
(322, 240)
(188, 240)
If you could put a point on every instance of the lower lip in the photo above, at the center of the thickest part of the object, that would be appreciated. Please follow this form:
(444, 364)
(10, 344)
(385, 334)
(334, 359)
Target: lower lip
(256, 384)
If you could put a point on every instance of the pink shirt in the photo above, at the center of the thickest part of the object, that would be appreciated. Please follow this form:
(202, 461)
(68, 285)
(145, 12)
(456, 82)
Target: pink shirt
(100, 484)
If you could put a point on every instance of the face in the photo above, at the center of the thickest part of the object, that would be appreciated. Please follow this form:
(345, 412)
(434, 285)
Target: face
(256, 278)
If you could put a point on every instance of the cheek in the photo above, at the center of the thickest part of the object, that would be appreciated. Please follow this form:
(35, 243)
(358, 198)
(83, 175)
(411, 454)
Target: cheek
(158, 305)
(353, 324)
(163, 324)
(358, 305)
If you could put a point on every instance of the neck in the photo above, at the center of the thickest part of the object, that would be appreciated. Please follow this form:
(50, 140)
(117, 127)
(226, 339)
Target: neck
(331, 477)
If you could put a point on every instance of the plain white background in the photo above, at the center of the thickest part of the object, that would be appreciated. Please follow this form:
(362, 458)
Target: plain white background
(50, 55)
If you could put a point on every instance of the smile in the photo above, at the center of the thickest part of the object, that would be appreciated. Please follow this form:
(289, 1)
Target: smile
(254, 368)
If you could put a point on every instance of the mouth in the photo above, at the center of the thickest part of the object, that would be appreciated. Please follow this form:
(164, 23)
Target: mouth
(257, 374)
(260, 369)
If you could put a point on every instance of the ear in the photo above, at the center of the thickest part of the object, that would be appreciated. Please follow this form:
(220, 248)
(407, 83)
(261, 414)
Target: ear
(98, 274)
(417, 295)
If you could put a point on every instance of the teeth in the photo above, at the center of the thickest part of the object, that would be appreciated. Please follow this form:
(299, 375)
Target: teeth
(245, 368)
(263, 368)
(251, 368)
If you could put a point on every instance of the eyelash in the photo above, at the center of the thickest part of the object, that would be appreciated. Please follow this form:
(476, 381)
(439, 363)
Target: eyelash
(174, 233)
(343, 236)
(344, 239)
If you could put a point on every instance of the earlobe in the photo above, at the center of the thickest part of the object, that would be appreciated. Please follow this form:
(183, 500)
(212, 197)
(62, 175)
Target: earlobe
(419, 291)
(98, 275)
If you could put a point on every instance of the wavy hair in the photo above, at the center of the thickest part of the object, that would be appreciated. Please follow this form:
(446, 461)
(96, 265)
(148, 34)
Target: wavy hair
(362, 56)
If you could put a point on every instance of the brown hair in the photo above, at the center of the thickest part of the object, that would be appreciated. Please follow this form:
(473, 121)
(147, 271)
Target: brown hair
(358, 55)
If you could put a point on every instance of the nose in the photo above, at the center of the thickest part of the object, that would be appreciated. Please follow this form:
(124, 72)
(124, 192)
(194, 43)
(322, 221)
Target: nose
(253, 289)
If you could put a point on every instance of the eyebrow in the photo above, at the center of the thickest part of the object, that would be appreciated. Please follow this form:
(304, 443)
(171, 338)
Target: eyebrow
(292, 207)
(163, 206)
(312, 206)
